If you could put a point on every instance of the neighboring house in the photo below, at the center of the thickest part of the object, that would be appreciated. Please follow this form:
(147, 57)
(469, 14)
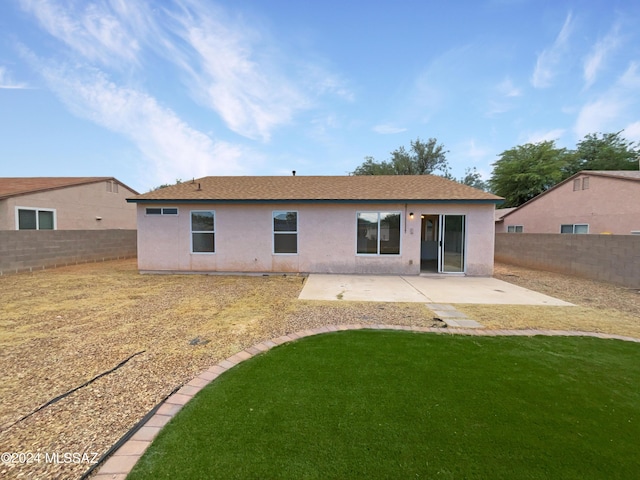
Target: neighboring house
(349, 224)
(499, 217)
(588, 202)
(65, 203)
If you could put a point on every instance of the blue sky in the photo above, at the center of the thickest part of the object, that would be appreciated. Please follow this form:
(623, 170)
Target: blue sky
(152, 91)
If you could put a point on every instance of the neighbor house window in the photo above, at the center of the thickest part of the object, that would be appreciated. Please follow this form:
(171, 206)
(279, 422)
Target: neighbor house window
(574, 228)
(35, 219)
(112, 186)
(515, 229)
(285, 232)
(203, 233)
(161, 211)
(378, 233)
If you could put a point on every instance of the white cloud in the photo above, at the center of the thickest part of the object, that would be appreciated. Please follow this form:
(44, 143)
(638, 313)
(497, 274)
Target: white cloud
(550, 59)
(387, 129)
(174, 149)
(96, 31)
(613, 108)
(233, 70)
(632, 132)
(599, 55)
(470, 149)
(544, 136)
(506, 88)
(6, 82)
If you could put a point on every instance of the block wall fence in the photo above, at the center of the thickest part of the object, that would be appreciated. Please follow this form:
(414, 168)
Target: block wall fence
(610, 258)
(29, 250)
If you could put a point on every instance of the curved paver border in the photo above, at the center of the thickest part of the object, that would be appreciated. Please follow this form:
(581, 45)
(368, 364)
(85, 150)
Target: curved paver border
(118, 466)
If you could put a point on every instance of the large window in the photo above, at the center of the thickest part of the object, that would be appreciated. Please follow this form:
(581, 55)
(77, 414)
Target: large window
(35, 219)
(577, 228)
(378, 233)
(285, 232)
(203, 236)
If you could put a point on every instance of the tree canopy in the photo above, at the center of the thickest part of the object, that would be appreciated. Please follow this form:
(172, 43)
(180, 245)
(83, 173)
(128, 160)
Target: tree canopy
(422, 158)
(524, 171)
(527, 170)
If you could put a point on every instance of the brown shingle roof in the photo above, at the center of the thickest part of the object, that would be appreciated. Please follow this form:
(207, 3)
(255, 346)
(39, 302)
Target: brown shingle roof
(320, 188)
(13, 186)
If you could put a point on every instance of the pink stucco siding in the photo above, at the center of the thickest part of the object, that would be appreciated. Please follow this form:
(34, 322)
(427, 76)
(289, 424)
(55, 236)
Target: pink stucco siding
(90, 206)
(326, 239)
(606, 205)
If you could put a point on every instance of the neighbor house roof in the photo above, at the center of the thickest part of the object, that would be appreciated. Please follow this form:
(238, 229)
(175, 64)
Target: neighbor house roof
(384, 188)
(501, 212)
(628, 175)
(14, 186)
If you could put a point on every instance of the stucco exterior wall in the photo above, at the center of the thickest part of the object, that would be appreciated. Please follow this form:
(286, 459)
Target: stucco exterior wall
(609, 205)
(76, 207)
(327, 236)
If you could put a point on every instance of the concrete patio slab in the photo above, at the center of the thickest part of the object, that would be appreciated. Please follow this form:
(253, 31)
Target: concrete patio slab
(444, 289)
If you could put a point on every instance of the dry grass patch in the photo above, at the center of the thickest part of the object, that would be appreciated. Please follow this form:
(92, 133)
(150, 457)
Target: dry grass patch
(600, 307)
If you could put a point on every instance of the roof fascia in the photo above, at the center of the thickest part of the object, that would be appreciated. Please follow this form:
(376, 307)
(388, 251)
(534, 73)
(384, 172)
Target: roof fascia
(327, 201)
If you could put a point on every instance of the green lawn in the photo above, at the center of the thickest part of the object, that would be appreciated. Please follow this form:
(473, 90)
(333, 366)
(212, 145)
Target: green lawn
(381, 404)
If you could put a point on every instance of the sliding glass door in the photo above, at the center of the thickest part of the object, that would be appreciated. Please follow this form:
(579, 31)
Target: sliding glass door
(451, 256)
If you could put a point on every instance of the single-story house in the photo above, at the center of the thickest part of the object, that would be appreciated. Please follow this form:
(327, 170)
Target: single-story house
(65, 203)
(599, 202)
(331, 224)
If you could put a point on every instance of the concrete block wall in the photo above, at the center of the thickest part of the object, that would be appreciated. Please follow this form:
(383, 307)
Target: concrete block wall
(28, 250)
(610, 258)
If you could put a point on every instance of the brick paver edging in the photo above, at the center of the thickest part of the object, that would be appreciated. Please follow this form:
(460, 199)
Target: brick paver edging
(122, 461)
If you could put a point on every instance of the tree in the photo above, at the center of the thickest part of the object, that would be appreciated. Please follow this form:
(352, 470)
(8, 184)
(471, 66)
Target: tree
(604, 151)
(473, 178)
(525, 171)
(165, 185)
(422, 158)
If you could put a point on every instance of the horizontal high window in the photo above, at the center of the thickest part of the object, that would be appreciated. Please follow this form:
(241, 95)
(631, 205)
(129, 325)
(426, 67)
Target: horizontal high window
(161, 211)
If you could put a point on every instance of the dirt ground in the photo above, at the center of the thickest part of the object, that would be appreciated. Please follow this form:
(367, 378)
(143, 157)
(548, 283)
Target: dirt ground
(61, 328)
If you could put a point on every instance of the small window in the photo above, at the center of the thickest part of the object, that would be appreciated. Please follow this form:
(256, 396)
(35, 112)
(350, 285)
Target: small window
(515, 229)
(378, 233)
(203, 236)
(161, 211)
(576, 185)
(35, 219)
(585, 183)
(577, 228)
(285, 232)
(112, 186)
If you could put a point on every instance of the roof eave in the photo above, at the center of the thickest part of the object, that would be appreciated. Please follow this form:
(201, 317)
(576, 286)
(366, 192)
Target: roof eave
(497, 201)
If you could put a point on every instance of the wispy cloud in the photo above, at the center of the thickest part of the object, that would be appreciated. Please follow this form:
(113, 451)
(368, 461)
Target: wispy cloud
(632, 132)
(549, 60)
(507, 88)
(7, 83)
(599, 54)
(233, 70)
(387, 129)
(544, 136)
(174, 149)
(616, 106)
(105, 32)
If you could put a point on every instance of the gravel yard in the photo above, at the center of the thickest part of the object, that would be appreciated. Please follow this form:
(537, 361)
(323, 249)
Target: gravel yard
(61, 328)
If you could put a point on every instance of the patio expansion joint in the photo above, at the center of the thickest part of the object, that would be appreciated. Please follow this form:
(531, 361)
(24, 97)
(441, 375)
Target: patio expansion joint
(119, 464)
